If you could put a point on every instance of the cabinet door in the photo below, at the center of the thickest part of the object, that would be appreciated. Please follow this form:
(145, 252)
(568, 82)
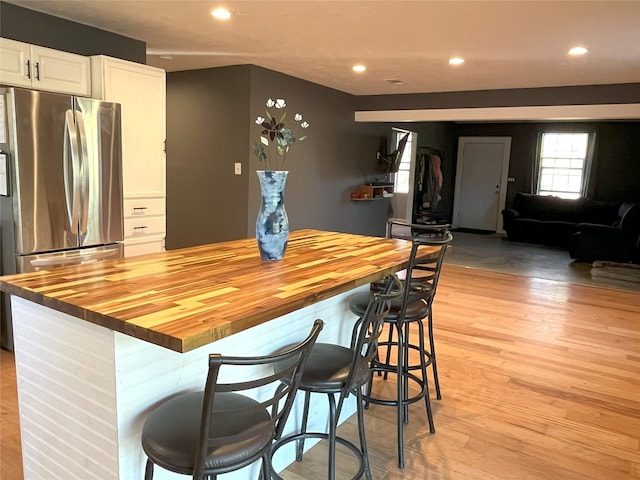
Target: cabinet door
(25, 65)
(140, 90)
(60, 71)
(13, 63)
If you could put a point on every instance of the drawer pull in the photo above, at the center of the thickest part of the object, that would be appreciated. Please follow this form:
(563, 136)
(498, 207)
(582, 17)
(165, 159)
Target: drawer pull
(141, 228)
(139, 209)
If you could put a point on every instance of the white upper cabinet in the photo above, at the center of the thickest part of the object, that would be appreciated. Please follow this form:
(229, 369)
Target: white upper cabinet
(140, 90)
(43, 68)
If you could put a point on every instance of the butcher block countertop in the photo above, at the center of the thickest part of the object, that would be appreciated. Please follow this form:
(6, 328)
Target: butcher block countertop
(183, 299)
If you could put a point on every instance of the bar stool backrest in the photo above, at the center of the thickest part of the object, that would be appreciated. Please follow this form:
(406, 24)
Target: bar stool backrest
(397, 228)
(366, 332)
(423, 273)
(273, 388)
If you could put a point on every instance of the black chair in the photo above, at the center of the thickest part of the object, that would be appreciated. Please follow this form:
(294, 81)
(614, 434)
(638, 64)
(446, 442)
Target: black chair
(421, 281)
(335, 369)
(220, 430)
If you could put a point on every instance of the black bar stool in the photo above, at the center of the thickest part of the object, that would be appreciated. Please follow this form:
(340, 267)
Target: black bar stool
(413, 308)
(224, 428)
(335, 369)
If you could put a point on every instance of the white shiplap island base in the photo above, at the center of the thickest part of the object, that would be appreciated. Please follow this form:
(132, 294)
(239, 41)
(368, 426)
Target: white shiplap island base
(85, 390)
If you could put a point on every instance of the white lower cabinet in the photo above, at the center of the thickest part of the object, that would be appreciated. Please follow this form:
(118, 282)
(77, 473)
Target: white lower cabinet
(144, 226)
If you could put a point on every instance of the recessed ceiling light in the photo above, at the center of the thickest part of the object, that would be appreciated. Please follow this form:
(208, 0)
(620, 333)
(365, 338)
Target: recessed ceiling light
(221, 13)
(456, 61)
(359, 68)
(578, 51)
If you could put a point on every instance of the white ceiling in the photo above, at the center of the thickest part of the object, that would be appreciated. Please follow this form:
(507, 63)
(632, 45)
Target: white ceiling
(506, 44)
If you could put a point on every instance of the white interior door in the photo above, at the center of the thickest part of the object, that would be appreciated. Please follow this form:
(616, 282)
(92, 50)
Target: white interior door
(481, 182)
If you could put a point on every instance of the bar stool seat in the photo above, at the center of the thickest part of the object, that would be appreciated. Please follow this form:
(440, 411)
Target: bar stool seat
(328, 368)
(171, 434)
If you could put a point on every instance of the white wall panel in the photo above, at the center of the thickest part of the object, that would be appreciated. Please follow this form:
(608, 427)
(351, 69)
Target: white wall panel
(65, 381)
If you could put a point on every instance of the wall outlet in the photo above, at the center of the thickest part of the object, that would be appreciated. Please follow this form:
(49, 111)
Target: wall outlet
(238, 168)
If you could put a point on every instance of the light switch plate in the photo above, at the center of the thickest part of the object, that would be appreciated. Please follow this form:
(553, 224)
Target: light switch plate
(238, 168)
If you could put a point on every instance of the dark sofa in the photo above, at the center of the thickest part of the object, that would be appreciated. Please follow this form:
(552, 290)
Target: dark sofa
(552, 220)
(619, 242)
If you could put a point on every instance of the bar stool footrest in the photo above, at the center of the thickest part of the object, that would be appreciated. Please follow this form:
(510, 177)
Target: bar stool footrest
(406, 401)
(323, 436)
(428, 358)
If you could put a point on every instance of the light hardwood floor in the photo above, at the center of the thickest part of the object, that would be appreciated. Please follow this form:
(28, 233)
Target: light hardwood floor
(540, 380)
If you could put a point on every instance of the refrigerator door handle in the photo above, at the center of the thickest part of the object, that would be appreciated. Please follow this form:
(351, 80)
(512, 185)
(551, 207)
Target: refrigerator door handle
(84, 173)
(71, 170)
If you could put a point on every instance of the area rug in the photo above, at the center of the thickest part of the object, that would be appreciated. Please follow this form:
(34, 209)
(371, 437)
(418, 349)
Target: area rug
(615, 273)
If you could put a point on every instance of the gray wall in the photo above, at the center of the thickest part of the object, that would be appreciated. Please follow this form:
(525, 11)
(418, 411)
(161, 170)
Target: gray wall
(207, 132)
(332, 162)
(37, 28)
(210, 126)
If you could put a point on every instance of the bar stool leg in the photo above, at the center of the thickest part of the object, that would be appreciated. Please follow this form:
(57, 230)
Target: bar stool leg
(370, 384)
(399, 396)
(148, 471)
(363, 440)
(266, 468)
(433, 355)
(406, 371)
(303, 427)
(332, 436)
(423, 368)
(388, 355)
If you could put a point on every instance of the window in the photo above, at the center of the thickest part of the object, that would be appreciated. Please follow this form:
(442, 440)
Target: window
(563, 164)
(401, 182)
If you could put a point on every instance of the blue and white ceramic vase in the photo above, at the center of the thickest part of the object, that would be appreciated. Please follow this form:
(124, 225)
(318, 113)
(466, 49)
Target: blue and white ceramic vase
(272, 225)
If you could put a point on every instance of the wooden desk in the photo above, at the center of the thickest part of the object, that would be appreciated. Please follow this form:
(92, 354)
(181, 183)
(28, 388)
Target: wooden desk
(97, 346)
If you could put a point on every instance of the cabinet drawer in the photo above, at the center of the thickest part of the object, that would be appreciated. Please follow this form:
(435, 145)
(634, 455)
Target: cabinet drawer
(142, 246)
(141, 227)
(142, 207)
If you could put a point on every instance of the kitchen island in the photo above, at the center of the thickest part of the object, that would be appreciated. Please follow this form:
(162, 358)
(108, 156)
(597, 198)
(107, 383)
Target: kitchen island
(98, 346)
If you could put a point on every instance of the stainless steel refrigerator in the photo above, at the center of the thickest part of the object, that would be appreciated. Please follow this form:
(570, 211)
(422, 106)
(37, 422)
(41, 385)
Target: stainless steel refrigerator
(60, 183)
